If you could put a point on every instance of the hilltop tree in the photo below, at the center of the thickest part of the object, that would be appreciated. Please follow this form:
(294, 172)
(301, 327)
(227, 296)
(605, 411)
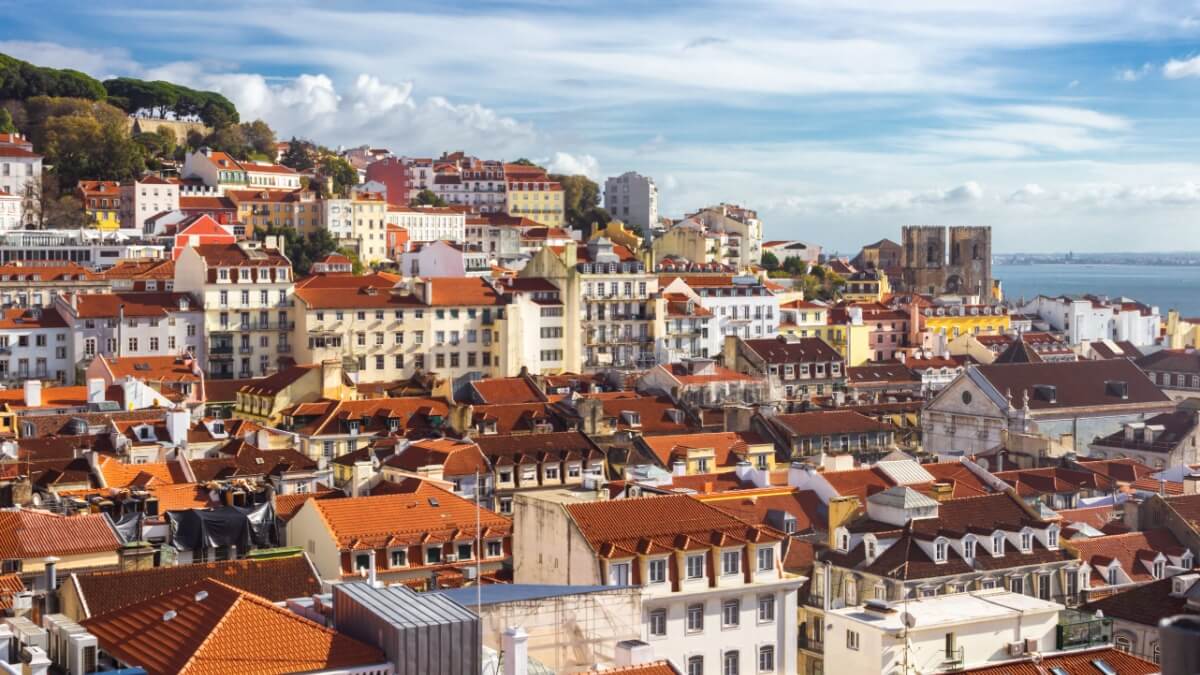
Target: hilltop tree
(20, 80)
(260, 138)
(427, 197)
(770, 261)
(343, 175)
(6, 122)
(301, 155)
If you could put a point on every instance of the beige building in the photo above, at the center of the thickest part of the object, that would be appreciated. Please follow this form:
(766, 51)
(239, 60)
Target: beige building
(246, 292)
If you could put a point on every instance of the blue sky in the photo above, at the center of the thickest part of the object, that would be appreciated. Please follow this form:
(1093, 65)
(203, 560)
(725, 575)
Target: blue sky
(1066, 124)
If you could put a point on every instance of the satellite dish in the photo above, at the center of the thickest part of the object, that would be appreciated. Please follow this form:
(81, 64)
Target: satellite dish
(908, 620)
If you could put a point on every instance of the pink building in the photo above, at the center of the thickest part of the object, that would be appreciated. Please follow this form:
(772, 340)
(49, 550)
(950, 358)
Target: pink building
(392, 172)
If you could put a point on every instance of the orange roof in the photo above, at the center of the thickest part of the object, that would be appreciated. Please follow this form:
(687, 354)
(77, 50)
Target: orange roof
(728, 446)
(28, 534)
(117, 474)
(629, 527)
(428, 514)
(164, 368)
(286, 506)
(457, 458)
(104, 305)
(1080, 662)
(225, 630)
(652, 668)
(161, 270)
(507, 390)
(52, 397)
(1129, 549)
(456, 291)
(20, 317)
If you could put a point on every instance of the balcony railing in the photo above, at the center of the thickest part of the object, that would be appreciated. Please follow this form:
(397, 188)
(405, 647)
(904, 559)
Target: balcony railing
(955, 659)
(810, 644)
(220, 349)
(246, 349)
(283, 348)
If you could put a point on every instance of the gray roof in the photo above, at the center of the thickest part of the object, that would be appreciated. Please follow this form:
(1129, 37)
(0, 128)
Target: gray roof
(494, 594)
(404, 608)
(902, 497)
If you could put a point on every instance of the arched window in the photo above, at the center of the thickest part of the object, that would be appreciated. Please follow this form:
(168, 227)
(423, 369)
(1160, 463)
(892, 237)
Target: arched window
(1123, 642)
(939, 550)
(931, 254)
(998, 543)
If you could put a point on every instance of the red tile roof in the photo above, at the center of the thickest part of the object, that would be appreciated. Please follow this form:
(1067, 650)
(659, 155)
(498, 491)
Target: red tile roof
(729, 447)
(1074, 663)
(1129, 549)
(826, 422)
(783, 350)
(506, 390)
(275, 579)
(28, 534)
(457, 458)
(404, 519)
(226, 630)
(629, 527)
(29, 318)
(105, 305)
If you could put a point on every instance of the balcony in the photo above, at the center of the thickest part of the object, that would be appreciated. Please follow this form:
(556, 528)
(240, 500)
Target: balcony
(283, 348)
(246, 349)
(811, 645)
(1077, 630)
(217, 349)
(955, 659)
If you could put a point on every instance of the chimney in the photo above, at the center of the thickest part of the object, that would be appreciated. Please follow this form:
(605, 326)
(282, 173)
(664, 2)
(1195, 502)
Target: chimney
(1191, 484)
(178, 421)
(514, 649)
(798, 474)
(744, 471)
(33, 393)
(679, 468)
(633, 653)
(942, 490)
(95, 390)
(841, 511)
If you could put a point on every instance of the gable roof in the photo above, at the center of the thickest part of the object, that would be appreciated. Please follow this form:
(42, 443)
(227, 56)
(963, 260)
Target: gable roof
(224, 630)
(728, 446)
(506, 390)
(1077, 384)
(275, 579)
(789, 350)
(1130, 549)
(826, 422)
(1079, 662)
(25, 534)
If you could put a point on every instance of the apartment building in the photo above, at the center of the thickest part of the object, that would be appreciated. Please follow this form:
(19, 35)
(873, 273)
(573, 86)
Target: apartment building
(531, 194)
(1091, 318)
(633, 198)
(34, 345)
(132, 324)
(221, 171)
(385, 331)
(265, 209)
(145, 198)
(429, 223)
(740, 305)
(714, 596)
(796, 369)
(20, 166)
(101, 202)
(11, 211)
(246, 292)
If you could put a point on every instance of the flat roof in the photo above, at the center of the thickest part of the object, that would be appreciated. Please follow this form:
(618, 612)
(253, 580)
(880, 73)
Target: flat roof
(494, 594)
(946, 610)
(404, 608)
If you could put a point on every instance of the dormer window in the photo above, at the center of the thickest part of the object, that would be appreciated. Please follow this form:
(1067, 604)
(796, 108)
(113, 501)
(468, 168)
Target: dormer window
(1026, 542)
(218, 427)
(1113, 579)
(844, 541)
(1186, 560)
(939, 550)
(1052, 538)
(869, 547)
(1160, 569)
(631, 418)
(968, 547)
(998, 544)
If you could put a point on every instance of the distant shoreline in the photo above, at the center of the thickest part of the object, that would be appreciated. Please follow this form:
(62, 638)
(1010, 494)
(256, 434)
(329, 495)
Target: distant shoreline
(1173, 261)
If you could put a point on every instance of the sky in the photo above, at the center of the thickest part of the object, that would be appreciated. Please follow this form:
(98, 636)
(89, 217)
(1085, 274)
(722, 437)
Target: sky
(1065, 125)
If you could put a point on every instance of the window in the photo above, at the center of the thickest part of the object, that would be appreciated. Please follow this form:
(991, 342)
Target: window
(399, 557)
(766, 559)
(1026, 541)
(695, 566)
(1123, 642)
(731, 611)
(731, 562)
(998, 543)
(695, 665)
(618, 574)
(362, 561)
(658, 623)
(658, 571)
(695, 618)
(851, 640)
(433, 555)
(939, 551)
(1052, 538)
(766, 608)
(1016, 584)
(729, 663)
(1159, 569)
(968, 549)
(1113, 578)
(766, 659)
(951, 646)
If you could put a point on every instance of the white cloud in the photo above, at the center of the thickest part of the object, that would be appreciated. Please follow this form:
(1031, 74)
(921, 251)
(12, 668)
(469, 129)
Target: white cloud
(893, 200)
(1072, 84)
(1027, 193)
(584, 165)
(1179, 68)
(1134, 74)
(1080, 117)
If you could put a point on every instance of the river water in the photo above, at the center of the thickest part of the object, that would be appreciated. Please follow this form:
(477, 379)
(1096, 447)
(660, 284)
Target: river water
(1166, 286)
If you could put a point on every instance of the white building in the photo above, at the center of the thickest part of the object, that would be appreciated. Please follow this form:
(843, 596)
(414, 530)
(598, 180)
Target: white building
(740, 306)
(632, 198)
(715, 599)
(33, 345)
(246, 292)
(939, 634)
(1090, 318)
(221, 171)
(429, 223)
(144, 199)
(443, 259)
(11, 216)
(20, 166)
(132, 324)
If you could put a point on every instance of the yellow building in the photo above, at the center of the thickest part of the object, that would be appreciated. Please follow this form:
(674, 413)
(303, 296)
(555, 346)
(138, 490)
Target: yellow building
(531, 194)
(850, 337)
(263, 209)
(1181, 332)
(618, 233)
(866, 286)
(711, 452)
(955, 320)
(101, 202)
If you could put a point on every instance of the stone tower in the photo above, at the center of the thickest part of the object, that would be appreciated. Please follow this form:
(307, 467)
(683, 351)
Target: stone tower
(924, 258)
(956, 260)
(970, 268)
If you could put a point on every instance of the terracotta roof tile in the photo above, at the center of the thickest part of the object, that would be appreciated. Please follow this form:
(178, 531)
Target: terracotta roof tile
(826, 422)
(275, 579)
(784, 350)
(457, 458)
(729, 447)
(506, 390)
(36, 534)
(1128, 549)
(1074, 663)
(228, 630)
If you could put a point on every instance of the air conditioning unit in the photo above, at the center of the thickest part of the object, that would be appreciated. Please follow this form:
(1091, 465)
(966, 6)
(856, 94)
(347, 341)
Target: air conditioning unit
(451, 557)
(82, 653)
(1016, 648)
(1031, 645)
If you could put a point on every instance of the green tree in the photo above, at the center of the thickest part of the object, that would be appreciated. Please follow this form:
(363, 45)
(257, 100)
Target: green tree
(795, 266)
(6, 122)
(20, 80)
(301, 155)
(525, 162)
(770, 262)
(229, 139)
(65, 212)
(156, 147)
(260, 138)
(343, 174)
(356, 265)
(427, 198)
(303, 250)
